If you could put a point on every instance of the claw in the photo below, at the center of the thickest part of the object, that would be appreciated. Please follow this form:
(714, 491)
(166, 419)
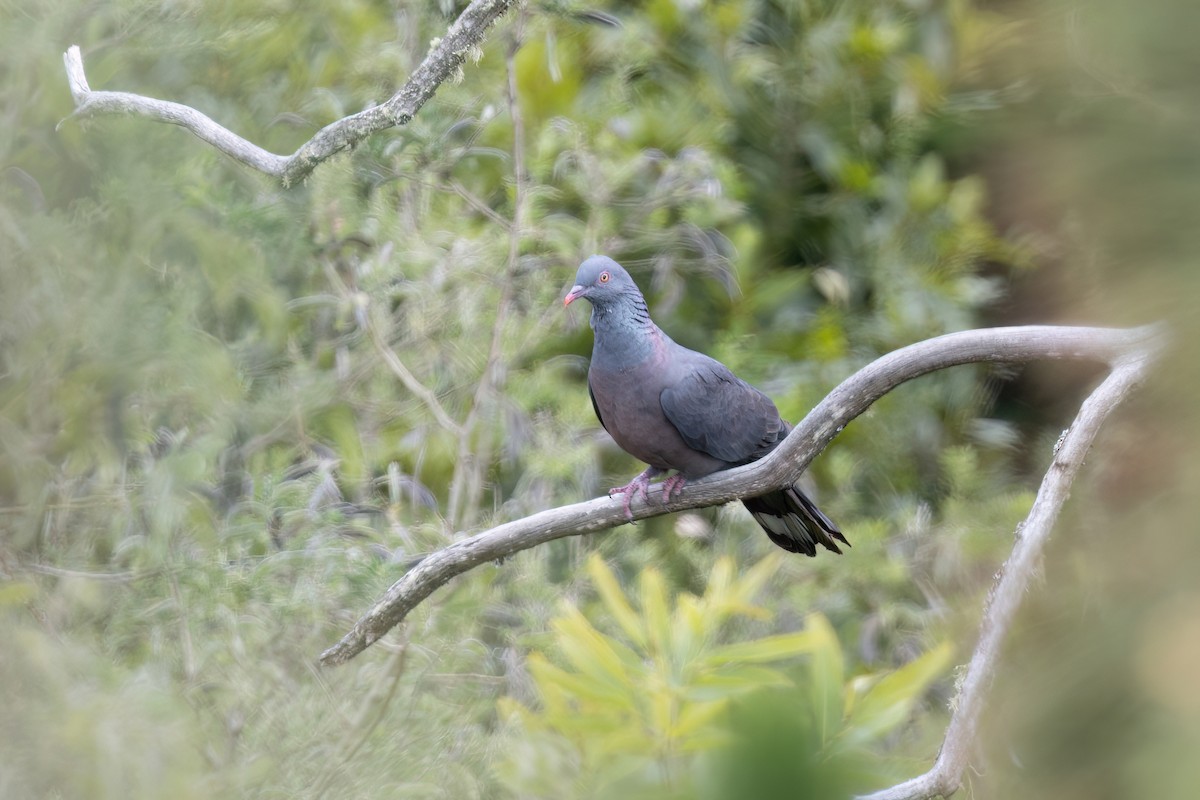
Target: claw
(639, 485)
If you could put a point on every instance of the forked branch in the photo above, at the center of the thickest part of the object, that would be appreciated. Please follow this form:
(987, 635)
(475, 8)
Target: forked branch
(443, 60)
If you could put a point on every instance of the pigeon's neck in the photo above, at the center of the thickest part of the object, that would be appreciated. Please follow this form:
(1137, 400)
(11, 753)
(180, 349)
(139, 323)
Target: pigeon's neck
(625, 334)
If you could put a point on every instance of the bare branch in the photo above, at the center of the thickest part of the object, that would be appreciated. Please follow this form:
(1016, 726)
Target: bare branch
(851, 398)
(1016, 575)
(443, 60)
(89, 103)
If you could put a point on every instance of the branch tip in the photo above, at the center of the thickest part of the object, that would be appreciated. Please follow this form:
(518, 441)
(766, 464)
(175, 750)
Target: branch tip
(443, 62)
(76, 79)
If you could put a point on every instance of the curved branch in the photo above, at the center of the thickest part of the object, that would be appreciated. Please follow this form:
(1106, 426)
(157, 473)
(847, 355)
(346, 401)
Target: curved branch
(443, 60)
(1032, 534)
(784, 465)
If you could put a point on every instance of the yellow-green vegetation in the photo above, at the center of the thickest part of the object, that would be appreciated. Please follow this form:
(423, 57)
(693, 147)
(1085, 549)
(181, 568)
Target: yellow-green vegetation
(231, 414)
(652, 707)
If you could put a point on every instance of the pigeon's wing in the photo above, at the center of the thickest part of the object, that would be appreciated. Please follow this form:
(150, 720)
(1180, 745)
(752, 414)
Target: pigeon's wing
(720, 414)
(595, 405)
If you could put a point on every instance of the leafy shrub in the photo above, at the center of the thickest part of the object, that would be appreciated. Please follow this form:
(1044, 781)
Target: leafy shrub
(631, 710)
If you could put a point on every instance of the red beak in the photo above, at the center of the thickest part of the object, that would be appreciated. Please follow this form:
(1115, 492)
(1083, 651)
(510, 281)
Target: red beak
(575, 293)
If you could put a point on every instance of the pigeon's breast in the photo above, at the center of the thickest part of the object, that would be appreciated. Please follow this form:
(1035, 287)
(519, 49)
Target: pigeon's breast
(630, 409)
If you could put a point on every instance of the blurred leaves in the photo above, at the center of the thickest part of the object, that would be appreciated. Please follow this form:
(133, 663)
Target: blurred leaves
(202, 427)
(167, 301)
(631, 712)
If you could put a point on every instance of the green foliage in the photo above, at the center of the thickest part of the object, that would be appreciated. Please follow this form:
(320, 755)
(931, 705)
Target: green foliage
(210, 460)
(704, 172)
(631, 711)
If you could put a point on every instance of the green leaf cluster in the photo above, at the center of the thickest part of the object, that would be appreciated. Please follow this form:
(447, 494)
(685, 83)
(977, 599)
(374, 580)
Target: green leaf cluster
(647, 708)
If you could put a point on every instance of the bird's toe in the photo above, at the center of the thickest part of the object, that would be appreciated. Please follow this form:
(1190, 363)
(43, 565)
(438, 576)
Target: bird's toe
(673, 486)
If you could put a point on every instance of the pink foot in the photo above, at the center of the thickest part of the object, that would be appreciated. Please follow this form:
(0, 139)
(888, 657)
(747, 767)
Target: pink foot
(673, 486)
(639, 485)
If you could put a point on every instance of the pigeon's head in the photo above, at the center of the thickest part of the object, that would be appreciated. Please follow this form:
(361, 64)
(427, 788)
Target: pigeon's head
(603, 282)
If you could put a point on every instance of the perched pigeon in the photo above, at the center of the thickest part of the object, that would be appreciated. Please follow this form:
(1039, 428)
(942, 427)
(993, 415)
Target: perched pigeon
(680, 410)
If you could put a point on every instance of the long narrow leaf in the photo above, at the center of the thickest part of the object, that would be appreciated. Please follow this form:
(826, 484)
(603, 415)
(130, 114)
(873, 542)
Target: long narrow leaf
(588, 650)
(826, 675)
(555, 685)
(733, 680)
(755, 578)
(890, 701)
(771, 648)
(615, 600)
(654, 609)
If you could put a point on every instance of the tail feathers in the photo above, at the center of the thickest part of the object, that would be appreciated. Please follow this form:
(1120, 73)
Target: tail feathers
(794, 522)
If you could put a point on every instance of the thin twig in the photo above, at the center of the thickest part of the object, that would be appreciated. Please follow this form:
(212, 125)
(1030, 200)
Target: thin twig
(467, 484)
(185, 631)
(784, 465)
(114, 577)
(410, 381)
(371, 713)
(385, 351)
(443, 61)
(473, 200)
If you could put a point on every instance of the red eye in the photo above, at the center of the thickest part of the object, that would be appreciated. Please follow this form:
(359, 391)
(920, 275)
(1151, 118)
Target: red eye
(604, 277)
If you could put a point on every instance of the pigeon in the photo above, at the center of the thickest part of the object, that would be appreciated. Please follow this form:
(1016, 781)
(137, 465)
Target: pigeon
(682, 411)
